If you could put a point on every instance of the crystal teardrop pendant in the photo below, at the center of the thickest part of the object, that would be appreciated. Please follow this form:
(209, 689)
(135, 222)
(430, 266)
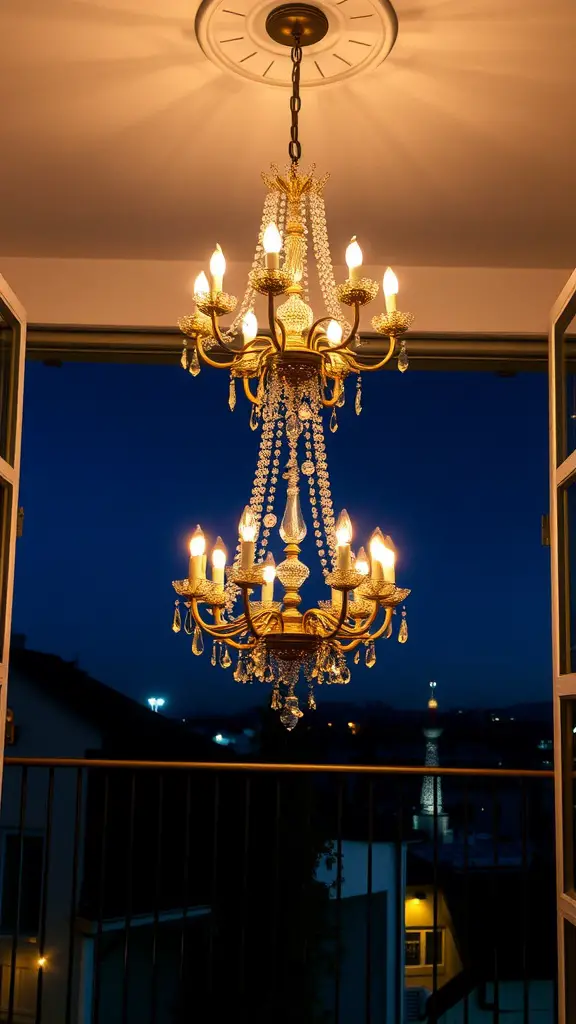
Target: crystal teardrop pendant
(276, 702)
(213, 657)
(342, 399)
(370, 659)
(254, 418)
(268, 674)
(403, 631)
(232, 394)
(194, 364)
(225, 659)
(333, 421)
(176, 621)
(358, 399)
(357, 657)
(197, 642)
(304, 412)
(293, 427)
(403, 361)
(345, 675)
(189, 623)
(184, 358)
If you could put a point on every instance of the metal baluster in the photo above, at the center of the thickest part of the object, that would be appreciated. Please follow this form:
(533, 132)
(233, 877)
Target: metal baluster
(244, 910)
(368, 991)
(276, 893)
(338, 968)
(525, 904)
(101, 890)
(44, 893)
(496, 1009)
(435, 901)
(214, 887)
(185, 878)
(74, 894)
(400, 908)
(16, 933)
(129, 885)
(466, 896)
(157, 897)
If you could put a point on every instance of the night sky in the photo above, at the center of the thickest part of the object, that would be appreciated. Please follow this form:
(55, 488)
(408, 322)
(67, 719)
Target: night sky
(120, 463)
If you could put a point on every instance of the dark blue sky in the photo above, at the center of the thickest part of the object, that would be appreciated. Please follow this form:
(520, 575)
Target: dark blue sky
(120, 463)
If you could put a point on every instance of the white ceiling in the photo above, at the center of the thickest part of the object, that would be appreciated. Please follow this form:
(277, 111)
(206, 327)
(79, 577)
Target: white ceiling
(121, 139)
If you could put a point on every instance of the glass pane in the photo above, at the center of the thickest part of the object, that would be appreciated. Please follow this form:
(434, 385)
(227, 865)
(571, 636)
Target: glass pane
(434, 949)
(567, 582)
(8, 387)
(27, 916)
(5, 516)
(413, 949)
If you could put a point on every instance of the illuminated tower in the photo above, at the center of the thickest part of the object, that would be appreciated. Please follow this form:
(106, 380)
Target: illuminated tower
(424, 820)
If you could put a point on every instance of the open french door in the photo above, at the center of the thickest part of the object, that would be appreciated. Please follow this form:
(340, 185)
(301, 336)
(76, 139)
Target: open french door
(562, 374)
(12, 354)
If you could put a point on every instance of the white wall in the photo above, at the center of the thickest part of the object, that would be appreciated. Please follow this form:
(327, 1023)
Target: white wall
(154, 293)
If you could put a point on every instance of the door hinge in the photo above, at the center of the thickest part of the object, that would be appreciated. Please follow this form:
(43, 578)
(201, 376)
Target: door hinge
(20, 522)
(545, 530)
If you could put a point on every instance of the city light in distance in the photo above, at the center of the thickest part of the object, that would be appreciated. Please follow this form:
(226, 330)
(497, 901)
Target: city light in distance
(156, 703)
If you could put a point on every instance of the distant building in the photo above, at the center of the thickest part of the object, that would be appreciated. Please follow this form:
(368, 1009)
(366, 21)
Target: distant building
(431, 807)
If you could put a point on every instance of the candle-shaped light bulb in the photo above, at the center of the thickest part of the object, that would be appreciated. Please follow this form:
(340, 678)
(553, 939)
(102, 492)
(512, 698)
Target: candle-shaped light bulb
(217, 268)
(201, 286)
(272, 242)
(249, 327)
(218, 562)
(353, 259)
(343, 533)
(269, 577)
(377, 554)
(390, 288)
(196, 570)
(334, 332)
(247, 528)
(362, 564)
(389, 560)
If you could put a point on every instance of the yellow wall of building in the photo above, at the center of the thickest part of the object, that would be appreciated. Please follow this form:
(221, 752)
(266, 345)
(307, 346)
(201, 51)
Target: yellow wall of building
(419, 913)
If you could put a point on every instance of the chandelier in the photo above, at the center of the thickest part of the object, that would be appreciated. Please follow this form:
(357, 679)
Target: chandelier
(290, 376)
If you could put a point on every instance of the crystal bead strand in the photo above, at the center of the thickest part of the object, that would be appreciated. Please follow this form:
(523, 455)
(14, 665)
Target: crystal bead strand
(324, 259)
(326, 507)
(270, 519)
(304, 219)
(308, 469)
(269, 213)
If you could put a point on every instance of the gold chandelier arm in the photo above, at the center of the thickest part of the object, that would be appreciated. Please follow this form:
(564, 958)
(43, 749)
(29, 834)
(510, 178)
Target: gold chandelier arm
(349, 647)
(282, 332)
(221, 632)
(312, 339)
(349, 337)
(328, 403)
(251, 397)
(350, 632)
(211, 362)
(363, 367)
(272, 323)
(380, 632)
(315, 614)
(271, 615)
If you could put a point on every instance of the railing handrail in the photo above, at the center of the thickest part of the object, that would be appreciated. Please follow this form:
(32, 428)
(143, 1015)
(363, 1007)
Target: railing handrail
(240, 766)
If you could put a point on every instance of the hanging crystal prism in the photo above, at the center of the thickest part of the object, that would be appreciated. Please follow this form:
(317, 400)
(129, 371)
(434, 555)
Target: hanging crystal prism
(403, 361)
(403, 631)
(357, 657)
(333, 421)
(188, 622)
(184, 357)
(176, 621)
(342, 399)
(358, 399)
(276, 702)
(290, 713)
(311, 698)
(197, 642)
(232, 394)
(345, 674)
(194, 364)
(254, 418)
(370, 658)
(225, 659)
(213, 656)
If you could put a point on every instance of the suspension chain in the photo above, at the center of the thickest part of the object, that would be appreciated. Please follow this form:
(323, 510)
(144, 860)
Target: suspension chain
(295, 148)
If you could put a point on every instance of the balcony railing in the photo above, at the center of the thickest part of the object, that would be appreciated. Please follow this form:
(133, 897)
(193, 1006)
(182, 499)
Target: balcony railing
(168, 892)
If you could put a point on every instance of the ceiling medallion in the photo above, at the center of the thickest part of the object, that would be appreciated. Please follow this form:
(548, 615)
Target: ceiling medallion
(290, 377)
(250, 38)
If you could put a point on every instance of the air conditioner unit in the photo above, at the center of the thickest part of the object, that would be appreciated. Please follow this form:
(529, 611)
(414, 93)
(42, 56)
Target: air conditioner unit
(415, 1003)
